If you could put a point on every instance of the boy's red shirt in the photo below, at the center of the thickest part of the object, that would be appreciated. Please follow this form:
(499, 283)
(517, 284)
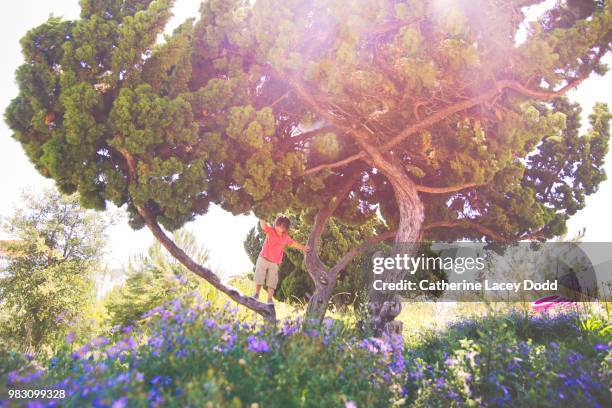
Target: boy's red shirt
(274, 244)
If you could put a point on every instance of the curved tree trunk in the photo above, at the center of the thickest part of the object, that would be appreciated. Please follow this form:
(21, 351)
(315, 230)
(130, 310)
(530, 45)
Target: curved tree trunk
(317, 304)
(319, 301)
(383, 308)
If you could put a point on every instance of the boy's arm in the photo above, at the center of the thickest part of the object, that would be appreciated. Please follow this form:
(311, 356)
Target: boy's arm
(299, 246)
(264, 225)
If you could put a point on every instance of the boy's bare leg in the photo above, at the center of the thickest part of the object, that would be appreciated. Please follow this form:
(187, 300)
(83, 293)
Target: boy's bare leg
(270, 294)
(257, 290)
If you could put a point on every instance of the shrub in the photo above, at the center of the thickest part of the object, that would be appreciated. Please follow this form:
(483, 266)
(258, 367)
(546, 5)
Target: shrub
(514, 360)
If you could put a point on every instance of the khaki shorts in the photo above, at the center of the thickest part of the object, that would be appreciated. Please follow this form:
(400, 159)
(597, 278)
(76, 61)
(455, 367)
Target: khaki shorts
(266, 272)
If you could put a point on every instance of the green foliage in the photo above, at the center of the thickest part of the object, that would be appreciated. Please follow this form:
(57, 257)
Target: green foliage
(514, 359)
(47, 286)
(551, 178)
(210, 115)
(327, 145)
(154, 278)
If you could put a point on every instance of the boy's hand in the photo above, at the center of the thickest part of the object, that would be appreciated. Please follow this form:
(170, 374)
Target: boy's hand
(263, 224)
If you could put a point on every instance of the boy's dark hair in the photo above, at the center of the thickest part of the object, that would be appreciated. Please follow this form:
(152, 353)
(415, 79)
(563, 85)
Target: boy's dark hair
(284, 221)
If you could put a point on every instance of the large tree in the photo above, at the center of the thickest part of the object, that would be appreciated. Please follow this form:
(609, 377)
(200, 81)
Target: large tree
(442, 116)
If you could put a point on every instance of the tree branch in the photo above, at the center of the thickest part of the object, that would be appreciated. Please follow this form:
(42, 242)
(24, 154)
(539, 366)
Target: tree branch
(447, 189)
(300, 88)
(442, 114)
(313, 262)
(357, 250)
(264, 309)
(333, 165)
(467, 225)
(419, 187)
(308, 134)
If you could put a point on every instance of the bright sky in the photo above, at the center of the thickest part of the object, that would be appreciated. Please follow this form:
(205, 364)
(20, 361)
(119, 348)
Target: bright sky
(221, 232)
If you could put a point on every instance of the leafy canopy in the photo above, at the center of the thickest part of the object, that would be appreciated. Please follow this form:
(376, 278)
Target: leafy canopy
(228, 108)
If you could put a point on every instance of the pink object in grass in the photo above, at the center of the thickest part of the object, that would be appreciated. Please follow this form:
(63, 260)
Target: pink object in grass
(551, 302)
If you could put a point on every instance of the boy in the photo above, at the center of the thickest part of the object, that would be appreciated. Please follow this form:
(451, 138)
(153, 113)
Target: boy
(271, 255)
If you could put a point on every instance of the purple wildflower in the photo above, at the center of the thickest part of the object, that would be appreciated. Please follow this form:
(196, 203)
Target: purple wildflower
(120, 403)
(70, 337)
(257, 346)
(12, 377)
(99, 341)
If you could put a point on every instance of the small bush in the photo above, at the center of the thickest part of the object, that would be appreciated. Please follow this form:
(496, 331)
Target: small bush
(513, 360)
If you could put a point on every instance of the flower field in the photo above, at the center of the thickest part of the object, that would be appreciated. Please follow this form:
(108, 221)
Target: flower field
(191, 353)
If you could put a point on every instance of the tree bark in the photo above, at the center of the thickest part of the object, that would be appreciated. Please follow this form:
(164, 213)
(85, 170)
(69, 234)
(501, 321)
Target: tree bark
(383, 307)
(319, 301)
(324, 279)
